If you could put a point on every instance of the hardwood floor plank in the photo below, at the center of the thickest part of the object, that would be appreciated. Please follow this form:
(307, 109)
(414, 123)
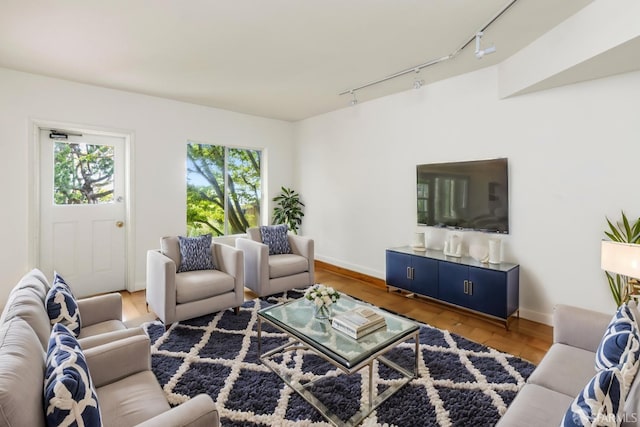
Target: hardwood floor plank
(526, 339)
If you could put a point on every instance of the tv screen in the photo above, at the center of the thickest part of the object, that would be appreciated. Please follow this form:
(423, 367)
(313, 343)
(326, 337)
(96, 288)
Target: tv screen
(470, 195)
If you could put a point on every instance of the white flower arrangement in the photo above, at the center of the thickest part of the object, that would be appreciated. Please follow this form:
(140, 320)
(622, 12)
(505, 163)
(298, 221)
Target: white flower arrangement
(321, 295)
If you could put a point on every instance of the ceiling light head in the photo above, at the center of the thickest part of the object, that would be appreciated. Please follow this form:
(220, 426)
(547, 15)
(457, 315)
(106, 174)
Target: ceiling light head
(480, 53)
(354, 101)
(417, 81)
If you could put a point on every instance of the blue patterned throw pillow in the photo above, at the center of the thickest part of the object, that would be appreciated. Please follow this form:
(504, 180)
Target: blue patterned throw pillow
(599, 403)
(275, 236)
(69, 395)
(62, 307)
(620, 341)
(195, 253)
(59, 280)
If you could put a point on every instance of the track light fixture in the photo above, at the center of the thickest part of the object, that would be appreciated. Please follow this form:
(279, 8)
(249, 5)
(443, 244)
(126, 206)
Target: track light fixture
(354, 101)
(482, 52)
(469, 41)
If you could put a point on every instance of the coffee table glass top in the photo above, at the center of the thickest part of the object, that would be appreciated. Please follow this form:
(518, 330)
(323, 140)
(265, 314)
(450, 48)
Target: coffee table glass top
(296, 317)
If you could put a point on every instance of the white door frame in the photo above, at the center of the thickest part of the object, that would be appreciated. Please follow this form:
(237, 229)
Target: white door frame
(33, 182)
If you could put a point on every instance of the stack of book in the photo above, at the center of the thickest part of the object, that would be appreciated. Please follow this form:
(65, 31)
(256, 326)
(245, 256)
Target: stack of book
(358, 322)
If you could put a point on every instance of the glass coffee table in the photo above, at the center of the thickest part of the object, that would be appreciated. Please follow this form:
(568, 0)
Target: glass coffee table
(295, 319)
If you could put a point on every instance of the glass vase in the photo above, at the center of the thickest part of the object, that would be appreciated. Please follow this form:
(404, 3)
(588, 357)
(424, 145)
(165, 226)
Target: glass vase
(322, 312)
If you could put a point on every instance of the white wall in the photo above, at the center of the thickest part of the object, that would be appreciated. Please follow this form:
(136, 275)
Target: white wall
(573, 155)
(161, 130)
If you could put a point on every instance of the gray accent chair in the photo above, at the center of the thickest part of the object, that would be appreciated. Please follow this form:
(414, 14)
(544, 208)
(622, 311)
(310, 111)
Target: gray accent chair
(564, 371)
(269, 274)
(177, 296)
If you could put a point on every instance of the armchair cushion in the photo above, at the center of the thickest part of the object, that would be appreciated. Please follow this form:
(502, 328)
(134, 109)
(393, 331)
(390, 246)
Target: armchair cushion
(287, 265)
(275, 236)
(195, 253)
(199, 285)
(69, 396)
(62, 307)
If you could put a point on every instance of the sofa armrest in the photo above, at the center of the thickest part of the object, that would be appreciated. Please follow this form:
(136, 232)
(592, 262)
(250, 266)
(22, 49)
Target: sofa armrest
(256, 264)
(118, 359)
(161, 285)
(107, 337)
(100, 308)
(199, 411)
(579, 327)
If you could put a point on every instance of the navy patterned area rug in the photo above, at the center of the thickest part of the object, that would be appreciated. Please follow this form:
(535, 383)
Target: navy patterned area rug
(461, 383)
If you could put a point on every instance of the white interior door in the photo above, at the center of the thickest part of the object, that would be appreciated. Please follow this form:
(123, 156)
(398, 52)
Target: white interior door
(82, 211)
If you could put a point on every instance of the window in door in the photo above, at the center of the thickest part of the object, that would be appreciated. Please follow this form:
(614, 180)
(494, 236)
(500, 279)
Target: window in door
(83, 173)
(223, 189)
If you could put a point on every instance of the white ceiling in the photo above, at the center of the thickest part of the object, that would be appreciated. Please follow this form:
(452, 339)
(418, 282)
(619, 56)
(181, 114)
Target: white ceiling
(284, 59)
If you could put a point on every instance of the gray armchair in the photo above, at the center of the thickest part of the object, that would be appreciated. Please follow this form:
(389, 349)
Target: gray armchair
(177, 296)
(269, 274)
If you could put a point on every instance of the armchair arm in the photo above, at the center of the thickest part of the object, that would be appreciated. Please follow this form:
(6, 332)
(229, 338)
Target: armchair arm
(100, 308)
(256, 264)
(161, 286)
(304, 246)
(228, 258)
(199, 411)
(118, 359)
(579, 327)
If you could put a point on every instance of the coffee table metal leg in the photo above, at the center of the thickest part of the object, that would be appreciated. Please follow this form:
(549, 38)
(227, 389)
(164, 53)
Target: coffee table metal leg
(370, 385)
(259, 338)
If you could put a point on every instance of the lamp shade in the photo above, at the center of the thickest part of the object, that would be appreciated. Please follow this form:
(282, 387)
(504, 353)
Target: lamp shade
(621, 258)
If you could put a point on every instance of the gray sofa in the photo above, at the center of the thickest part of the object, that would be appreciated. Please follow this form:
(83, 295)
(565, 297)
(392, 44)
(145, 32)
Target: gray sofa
(564, 371)
(119, 363)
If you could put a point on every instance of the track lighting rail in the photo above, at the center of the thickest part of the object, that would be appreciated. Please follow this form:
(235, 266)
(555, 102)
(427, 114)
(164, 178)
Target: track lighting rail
(452, 55)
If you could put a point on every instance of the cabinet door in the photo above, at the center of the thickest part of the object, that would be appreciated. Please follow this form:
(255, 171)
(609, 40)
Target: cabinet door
(425, 276)
(452, 279)
(488, 291)
(397, 270)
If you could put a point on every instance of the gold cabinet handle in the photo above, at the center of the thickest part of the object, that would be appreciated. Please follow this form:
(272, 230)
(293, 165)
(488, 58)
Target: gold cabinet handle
(119, 224)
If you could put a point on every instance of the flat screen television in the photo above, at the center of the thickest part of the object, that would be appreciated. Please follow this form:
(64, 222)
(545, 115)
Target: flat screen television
(472, 195)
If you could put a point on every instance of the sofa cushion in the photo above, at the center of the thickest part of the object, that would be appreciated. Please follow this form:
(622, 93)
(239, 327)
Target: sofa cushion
(201, 284)
(564, 369)
(21, 375)
(101, 328)
(287, 265)
(599, 403)
(132, 400)
(195, 253)
(617, 344)
(69, 396)
(275, 236)
(62, 307)
(536, 406)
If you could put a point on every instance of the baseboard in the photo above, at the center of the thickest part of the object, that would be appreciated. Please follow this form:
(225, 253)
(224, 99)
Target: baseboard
(374, 281)
(546, 319)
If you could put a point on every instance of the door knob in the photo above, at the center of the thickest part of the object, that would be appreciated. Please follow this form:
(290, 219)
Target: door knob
(119, 224)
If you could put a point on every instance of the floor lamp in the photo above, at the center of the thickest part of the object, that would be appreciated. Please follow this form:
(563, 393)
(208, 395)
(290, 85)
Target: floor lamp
(623, 259)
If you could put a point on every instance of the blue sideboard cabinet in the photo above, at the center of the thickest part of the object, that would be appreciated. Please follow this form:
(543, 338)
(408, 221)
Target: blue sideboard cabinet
(488, 289)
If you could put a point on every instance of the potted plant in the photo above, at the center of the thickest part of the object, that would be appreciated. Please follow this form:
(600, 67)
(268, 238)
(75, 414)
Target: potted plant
(622, 287)
(288, 209)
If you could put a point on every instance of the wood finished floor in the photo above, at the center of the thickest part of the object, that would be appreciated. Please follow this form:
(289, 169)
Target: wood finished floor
(526, 339)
